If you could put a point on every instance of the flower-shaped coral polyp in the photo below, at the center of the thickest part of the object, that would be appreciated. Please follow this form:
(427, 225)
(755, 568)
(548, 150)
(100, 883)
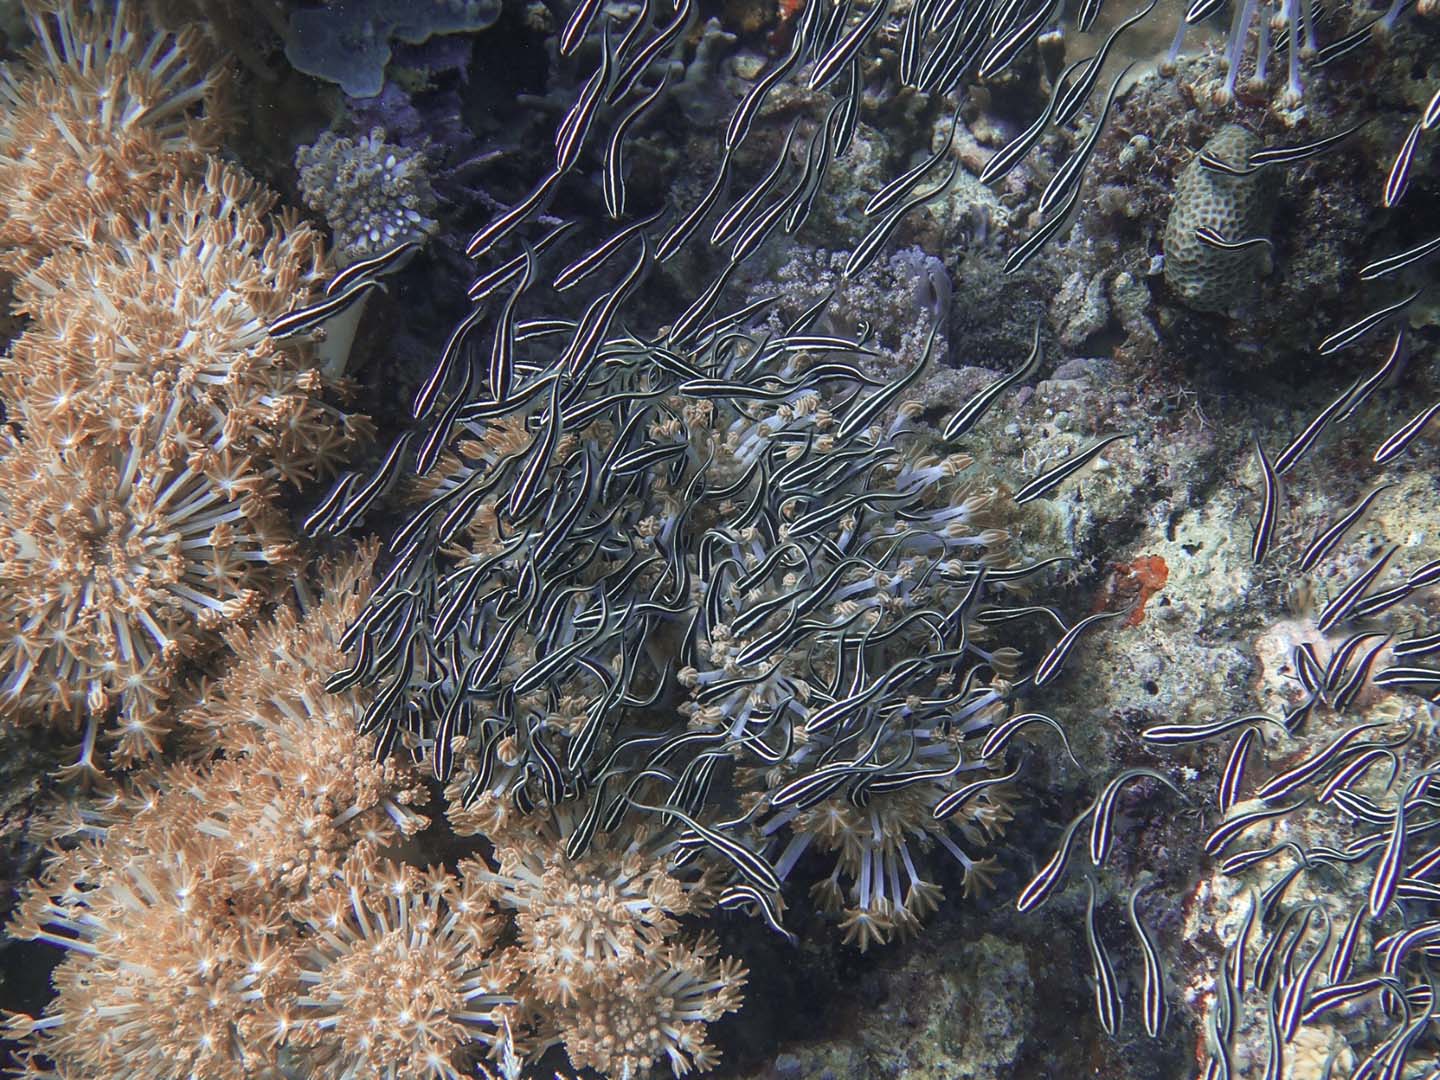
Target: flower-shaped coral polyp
(108, 112)
(163, 969)
(397, 974)
(118, 561)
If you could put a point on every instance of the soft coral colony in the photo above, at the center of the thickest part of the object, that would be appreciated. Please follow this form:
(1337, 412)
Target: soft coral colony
(237, 917)
(152, 419)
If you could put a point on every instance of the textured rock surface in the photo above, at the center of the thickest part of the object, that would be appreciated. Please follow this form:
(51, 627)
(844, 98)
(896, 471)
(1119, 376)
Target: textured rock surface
(942, 1014)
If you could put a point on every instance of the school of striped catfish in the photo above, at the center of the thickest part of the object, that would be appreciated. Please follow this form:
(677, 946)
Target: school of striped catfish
(671, 561)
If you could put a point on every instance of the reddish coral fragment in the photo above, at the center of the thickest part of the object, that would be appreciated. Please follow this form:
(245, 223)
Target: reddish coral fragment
(1132, 584)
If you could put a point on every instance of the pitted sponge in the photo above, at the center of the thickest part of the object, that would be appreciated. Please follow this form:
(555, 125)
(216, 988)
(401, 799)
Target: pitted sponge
(1207, 278)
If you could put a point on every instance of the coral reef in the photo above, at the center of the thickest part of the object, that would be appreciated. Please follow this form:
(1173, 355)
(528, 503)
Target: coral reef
(117, 559)
(608, 972)
(183, 293)
(220, 908)
(932, 1018)
(104, 114)
(285, 941)
(903, 297)
(737, 670)
(152, 413)
(820, 520)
